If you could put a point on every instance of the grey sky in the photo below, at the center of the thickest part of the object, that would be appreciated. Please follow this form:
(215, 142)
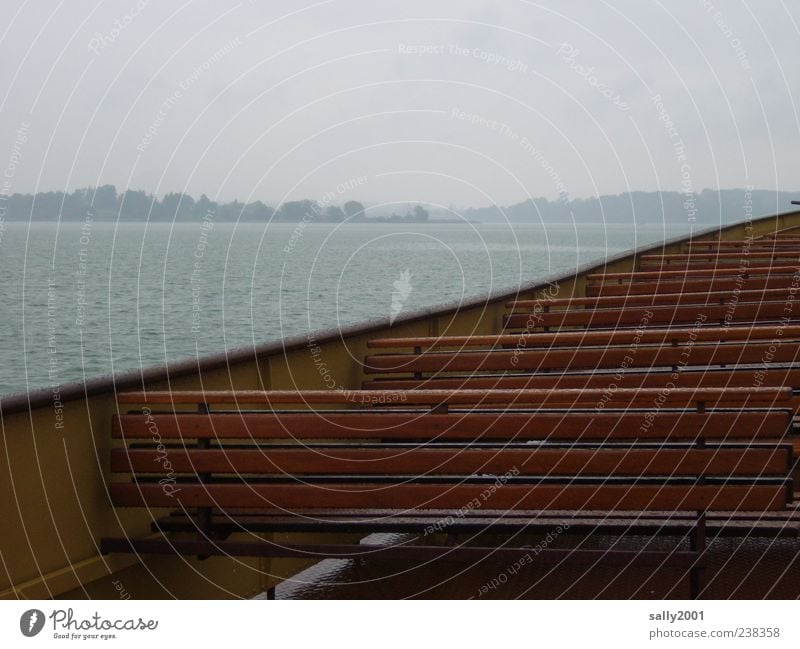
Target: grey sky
(460, 102)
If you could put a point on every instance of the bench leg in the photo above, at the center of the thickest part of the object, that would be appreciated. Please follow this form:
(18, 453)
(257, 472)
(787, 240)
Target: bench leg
(204, 531)
(204, 513)
(698, 544)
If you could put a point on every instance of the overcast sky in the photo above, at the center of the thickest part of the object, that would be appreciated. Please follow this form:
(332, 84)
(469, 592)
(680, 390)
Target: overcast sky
(453, 102)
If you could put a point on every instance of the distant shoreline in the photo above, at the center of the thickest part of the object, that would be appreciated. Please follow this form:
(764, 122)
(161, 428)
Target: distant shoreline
(105, 204)
(375, 221)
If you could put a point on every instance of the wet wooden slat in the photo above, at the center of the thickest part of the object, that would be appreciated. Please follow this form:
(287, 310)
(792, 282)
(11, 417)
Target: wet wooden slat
(457, 426)
(671, 285)
(717, 378)
(749, 256)
(590, 338)
(575, 358)
(540, 461)
(642, 276)
(696, 268)
(659, 315)
(741, 246)
(538, 398)
(658, 299)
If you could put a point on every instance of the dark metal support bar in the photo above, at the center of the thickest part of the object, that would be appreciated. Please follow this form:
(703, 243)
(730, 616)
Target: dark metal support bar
(204, 527)
(698, 545)
(225, 525)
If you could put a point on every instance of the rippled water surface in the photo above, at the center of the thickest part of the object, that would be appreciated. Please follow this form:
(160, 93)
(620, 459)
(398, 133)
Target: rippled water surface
(84, 300)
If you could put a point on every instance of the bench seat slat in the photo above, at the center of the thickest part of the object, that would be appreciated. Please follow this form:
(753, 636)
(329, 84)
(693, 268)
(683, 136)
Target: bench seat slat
(753, 254)
(655, 299)
(771, 270)
(626, 337)
(559, 398)
(741, 249)
(725, 462)
(738, 377)
(695, 267)
(719, 260)
(744, 424)
(738, 243)
(665, 285)
(657, 315)
(409, 497)
(583, 358)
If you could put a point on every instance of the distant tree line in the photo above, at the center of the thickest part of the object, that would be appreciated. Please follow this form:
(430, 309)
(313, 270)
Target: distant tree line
(105, 203)
(708, 206)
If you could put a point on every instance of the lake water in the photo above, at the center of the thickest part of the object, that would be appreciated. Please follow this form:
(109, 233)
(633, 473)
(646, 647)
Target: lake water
(86, 299)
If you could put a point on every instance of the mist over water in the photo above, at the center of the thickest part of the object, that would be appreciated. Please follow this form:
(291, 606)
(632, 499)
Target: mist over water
(95, 298)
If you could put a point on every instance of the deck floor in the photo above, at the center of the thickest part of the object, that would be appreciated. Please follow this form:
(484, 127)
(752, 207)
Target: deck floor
(738, 568)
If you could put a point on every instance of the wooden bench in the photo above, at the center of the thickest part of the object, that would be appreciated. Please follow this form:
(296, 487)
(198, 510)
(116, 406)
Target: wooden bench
(606, 382)
(719, 260)
(252, 461)
(584, 357)
(781, 294)
(592, 338)
(683, 284)
(632, 359)
(732, 246)
(713, 273)
(690, 280)
(680, 314)
(723, 296)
